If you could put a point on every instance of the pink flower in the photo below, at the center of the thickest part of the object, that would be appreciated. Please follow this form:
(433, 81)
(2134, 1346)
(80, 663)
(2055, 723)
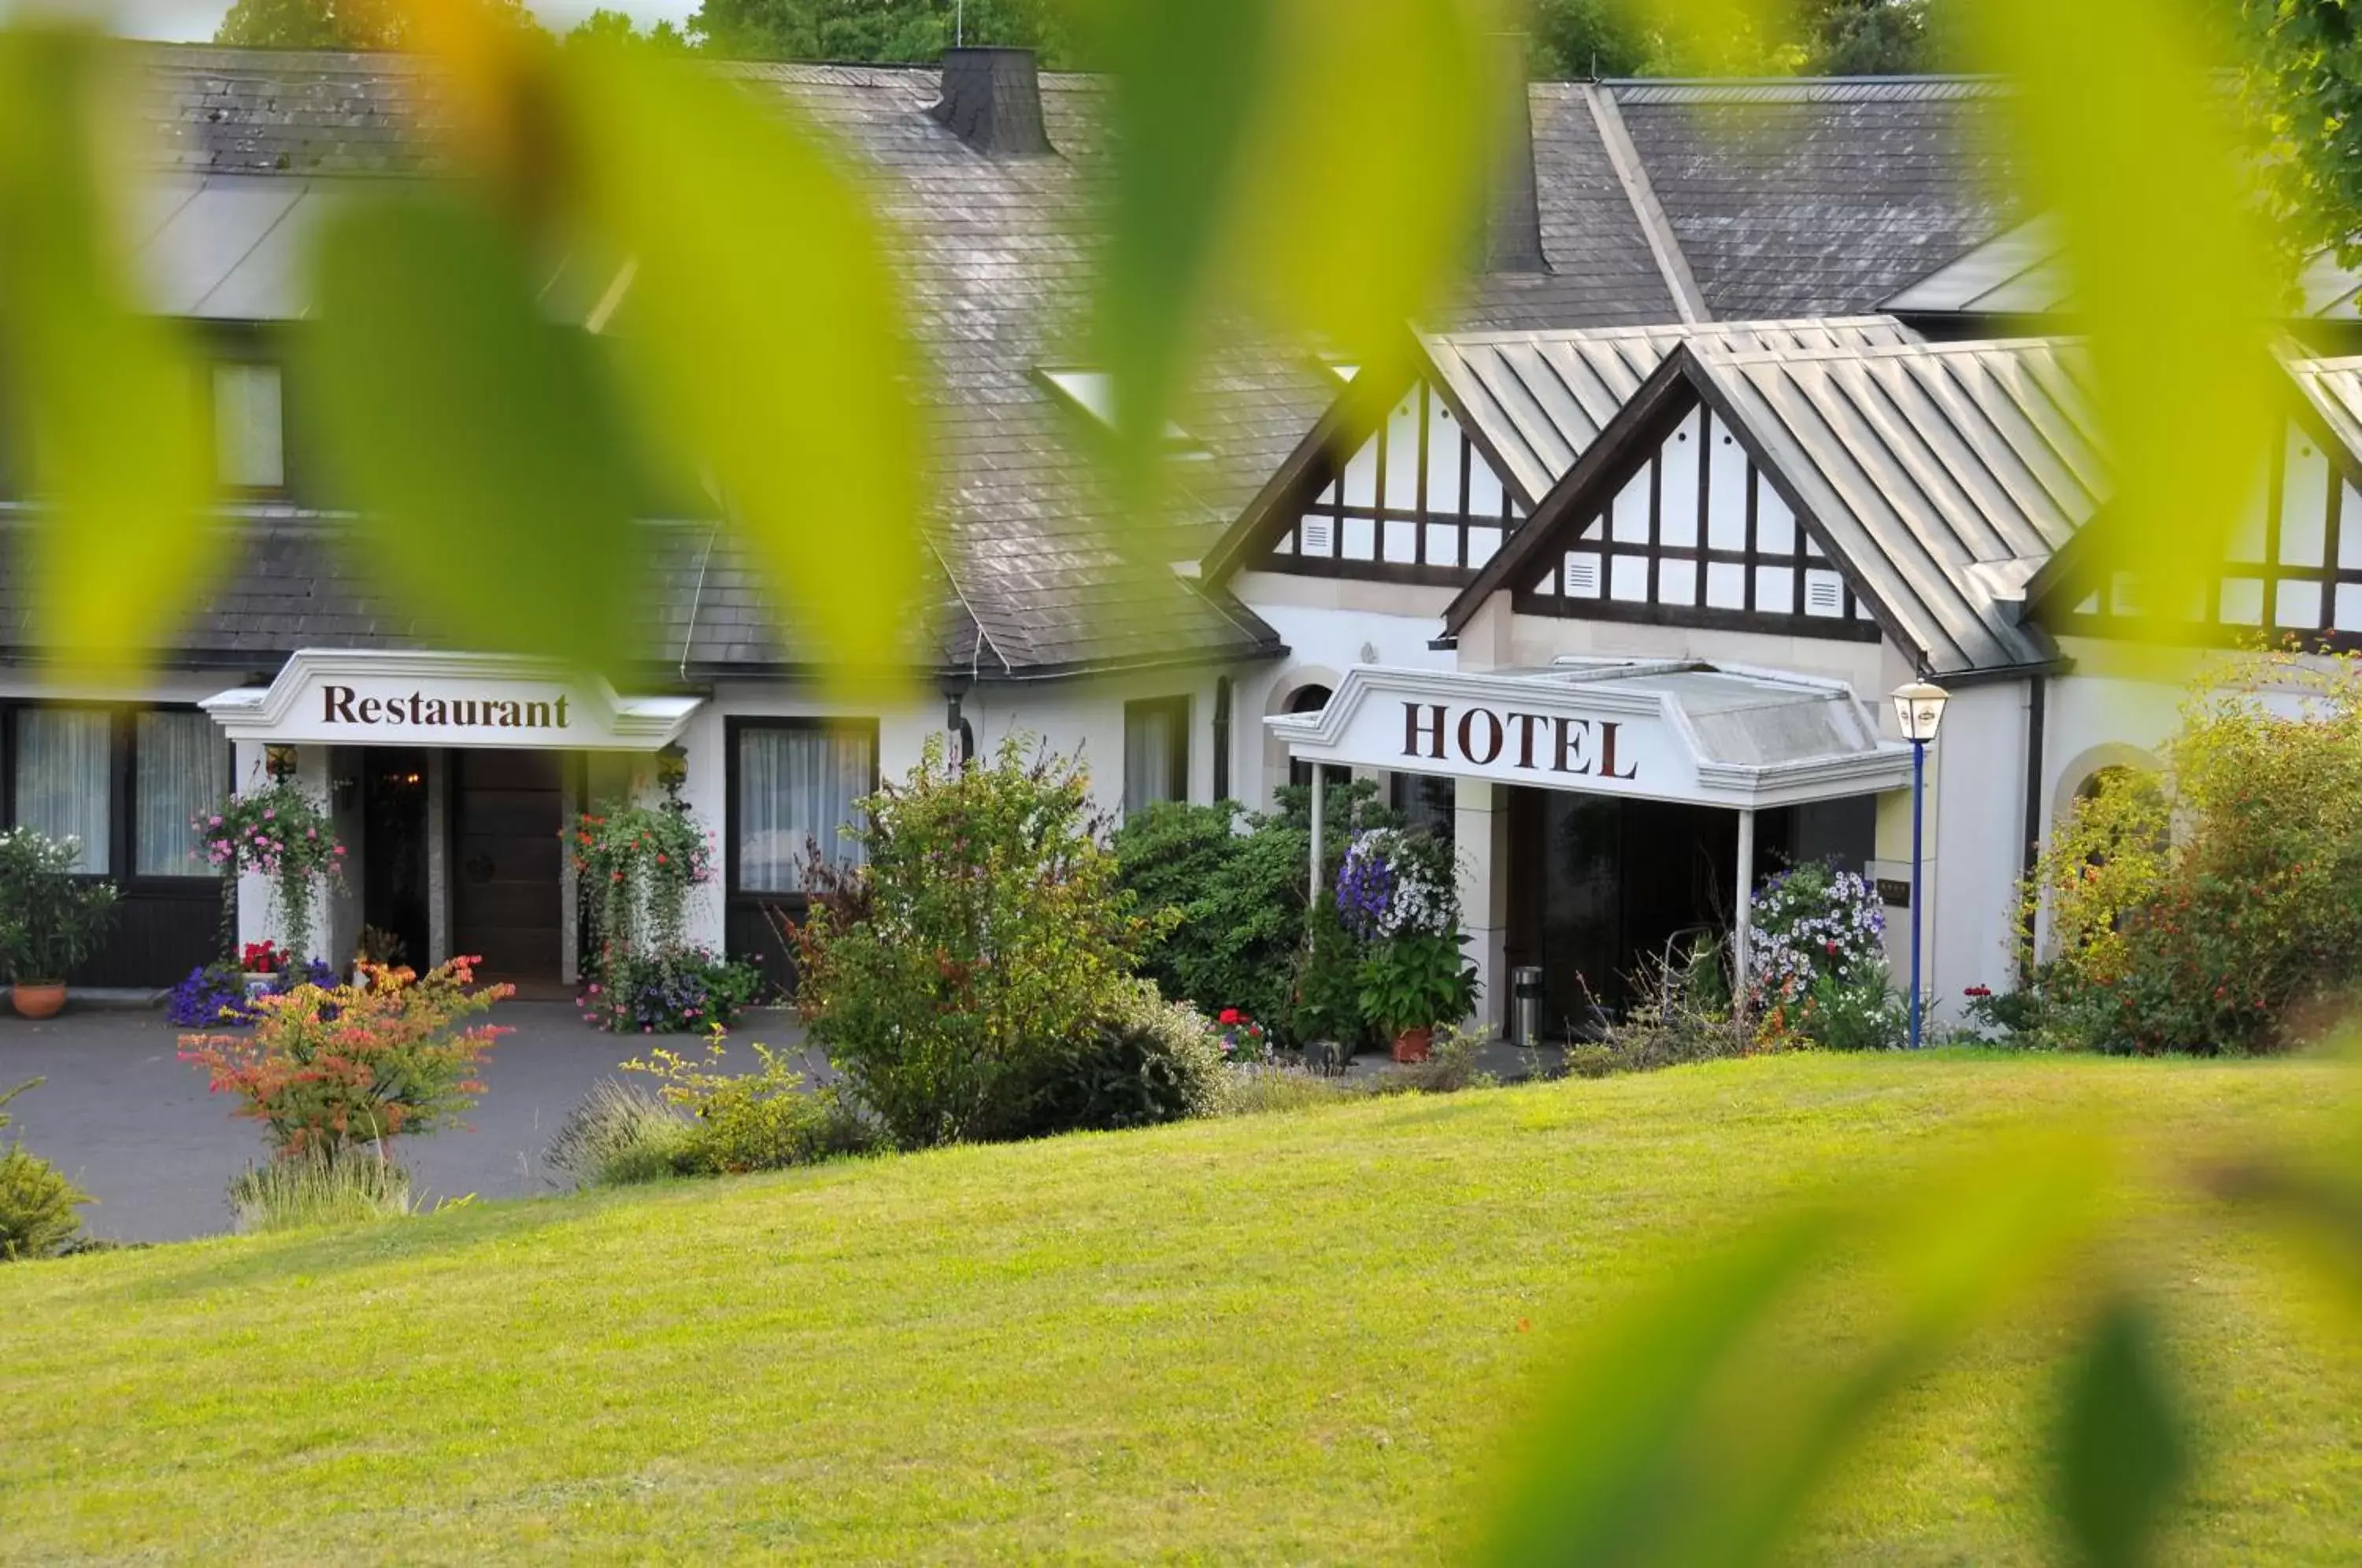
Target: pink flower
(213, 821)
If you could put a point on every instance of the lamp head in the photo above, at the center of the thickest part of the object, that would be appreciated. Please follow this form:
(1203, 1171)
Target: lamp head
(1920, 710)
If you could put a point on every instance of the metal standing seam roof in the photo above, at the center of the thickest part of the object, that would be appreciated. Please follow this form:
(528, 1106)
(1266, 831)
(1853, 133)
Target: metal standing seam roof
(2024, 272)
(1542, 397)
(2334, 388)
(1942, 475)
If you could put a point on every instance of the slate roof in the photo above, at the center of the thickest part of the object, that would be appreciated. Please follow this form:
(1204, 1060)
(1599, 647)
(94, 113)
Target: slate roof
(1819, 197)
(1783, 200)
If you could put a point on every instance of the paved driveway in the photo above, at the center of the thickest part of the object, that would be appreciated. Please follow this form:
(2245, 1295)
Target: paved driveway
(136, 1127)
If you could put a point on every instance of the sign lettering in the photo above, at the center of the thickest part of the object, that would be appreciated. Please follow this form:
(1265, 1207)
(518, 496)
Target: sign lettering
(343, 705)
(1579, 748)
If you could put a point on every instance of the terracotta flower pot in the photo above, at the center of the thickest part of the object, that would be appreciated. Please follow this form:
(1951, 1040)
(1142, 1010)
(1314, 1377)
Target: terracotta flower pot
(38, 999)
(1411, 1045)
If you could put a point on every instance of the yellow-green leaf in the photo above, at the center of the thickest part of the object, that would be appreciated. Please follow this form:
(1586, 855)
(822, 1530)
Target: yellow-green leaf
(764, 322)
(478, 436)
(104, 412)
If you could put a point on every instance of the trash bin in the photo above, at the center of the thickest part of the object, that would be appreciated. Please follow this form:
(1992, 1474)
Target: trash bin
(1525, 1006)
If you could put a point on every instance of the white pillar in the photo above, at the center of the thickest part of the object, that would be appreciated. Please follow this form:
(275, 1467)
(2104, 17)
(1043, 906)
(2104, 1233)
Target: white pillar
(1319, 796)
(1480, 832)
(1742, 925)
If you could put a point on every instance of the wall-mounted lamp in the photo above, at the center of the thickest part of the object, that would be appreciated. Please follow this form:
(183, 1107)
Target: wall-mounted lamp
(672, 768)
(279, 761)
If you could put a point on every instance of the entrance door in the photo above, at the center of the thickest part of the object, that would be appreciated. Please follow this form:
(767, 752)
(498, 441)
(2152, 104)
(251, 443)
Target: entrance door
(507, 809)
(393, 851)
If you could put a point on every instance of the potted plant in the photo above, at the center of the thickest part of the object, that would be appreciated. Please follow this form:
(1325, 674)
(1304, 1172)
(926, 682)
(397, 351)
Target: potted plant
(259, 964)
(51, 917)
(1412, 982)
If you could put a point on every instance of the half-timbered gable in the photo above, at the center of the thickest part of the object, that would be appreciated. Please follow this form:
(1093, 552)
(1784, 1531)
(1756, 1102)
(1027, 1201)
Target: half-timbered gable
(1846, 489)
(1416, 500)
(2291, 565)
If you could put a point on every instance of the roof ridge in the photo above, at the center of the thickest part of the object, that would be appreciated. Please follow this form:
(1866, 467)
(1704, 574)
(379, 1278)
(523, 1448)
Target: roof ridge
(1915, 349)
(1485, 337)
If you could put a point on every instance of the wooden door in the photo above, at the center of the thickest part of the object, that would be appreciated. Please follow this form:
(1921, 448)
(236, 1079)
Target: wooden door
(507, 887)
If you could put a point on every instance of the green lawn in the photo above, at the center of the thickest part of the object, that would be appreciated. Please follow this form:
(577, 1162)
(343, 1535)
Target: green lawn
(1285, 1339)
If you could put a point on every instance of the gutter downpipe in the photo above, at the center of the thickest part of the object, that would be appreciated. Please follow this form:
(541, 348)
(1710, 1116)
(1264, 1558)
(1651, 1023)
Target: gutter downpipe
(2037, 724)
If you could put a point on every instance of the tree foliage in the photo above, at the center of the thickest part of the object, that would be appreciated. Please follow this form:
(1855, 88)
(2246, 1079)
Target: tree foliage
(342, 24)
(2300, 85)
(886, 31)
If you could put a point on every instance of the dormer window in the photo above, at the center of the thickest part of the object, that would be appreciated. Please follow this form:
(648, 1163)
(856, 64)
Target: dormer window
(250, 427)
(1092, 392)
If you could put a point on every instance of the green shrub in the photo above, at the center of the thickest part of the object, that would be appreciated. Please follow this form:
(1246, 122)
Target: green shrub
(1325, 986)
(2215, 906)
(732, 1123)
(1231, 884)
(37, 1202)
(1146, 1061)
(37, 1206)
(1593, 1059)
(617, 1136)
(979, 947)
(312, 1187)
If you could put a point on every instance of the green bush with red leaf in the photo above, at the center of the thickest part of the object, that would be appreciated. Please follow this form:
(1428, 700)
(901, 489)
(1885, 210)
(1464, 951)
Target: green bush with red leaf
(328, 1069)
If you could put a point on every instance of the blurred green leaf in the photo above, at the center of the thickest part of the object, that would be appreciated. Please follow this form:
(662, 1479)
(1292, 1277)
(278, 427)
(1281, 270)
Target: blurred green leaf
(1686, 1434)
(474, 432)
(2120, 1453)
(1316, 158)
(1187, 77)
(2124, 131)
(103, 401)
(765, 321)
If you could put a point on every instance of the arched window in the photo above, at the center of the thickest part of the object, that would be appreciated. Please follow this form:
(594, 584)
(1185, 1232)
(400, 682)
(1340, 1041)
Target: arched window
(1311, 699)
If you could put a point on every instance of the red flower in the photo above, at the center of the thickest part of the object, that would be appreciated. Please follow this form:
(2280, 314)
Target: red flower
(1230, 1015)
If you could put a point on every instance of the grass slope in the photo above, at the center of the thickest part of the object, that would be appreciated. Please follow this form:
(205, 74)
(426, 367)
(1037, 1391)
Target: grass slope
(1285, 1339)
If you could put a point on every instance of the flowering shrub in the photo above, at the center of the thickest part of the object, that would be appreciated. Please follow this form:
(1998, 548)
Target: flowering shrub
(51, 917)
(1394, 883)
(1810, 921)
(328, 1068)
(685, 992)
(638, 865)
(1243, 1040)
(216, 994)
(1817, 962)
(284, 836)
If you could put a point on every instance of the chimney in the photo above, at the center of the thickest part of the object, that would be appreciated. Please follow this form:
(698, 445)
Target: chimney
(992, 98)
(1513, 217)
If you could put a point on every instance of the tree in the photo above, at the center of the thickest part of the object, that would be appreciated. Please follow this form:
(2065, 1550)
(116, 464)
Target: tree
(1872, 37)
(2300, 85)
(603, 26)
(337, 23)
(1578, 39)
(886, 31)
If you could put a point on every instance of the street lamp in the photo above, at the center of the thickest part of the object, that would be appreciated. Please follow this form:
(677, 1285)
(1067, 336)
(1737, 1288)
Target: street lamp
(1919, 709)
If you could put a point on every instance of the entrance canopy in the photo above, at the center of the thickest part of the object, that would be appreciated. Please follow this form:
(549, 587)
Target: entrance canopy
(1666, 730)
(371, 697)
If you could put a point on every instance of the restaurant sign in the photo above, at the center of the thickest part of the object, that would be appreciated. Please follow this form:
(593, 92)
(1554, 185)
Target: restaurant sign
(369, 697)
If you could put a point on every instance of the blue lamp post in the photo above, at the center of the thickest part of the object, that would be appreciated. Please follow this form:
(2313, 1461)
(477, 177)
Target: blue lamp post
(1918, 710)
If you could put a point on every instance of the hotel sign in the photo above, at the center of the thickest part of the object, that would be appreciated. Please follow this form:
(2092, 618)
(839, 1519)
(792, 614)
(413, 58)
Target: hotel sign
(366, 697)
(1665, 730)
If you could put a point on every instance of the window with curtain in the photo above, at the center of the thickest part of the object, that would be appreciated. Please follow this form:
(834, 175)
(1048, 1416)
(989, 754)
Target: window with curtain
(796, 784)
(176, 773)
(1155, 751)
(65, 777)
(250, 427)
